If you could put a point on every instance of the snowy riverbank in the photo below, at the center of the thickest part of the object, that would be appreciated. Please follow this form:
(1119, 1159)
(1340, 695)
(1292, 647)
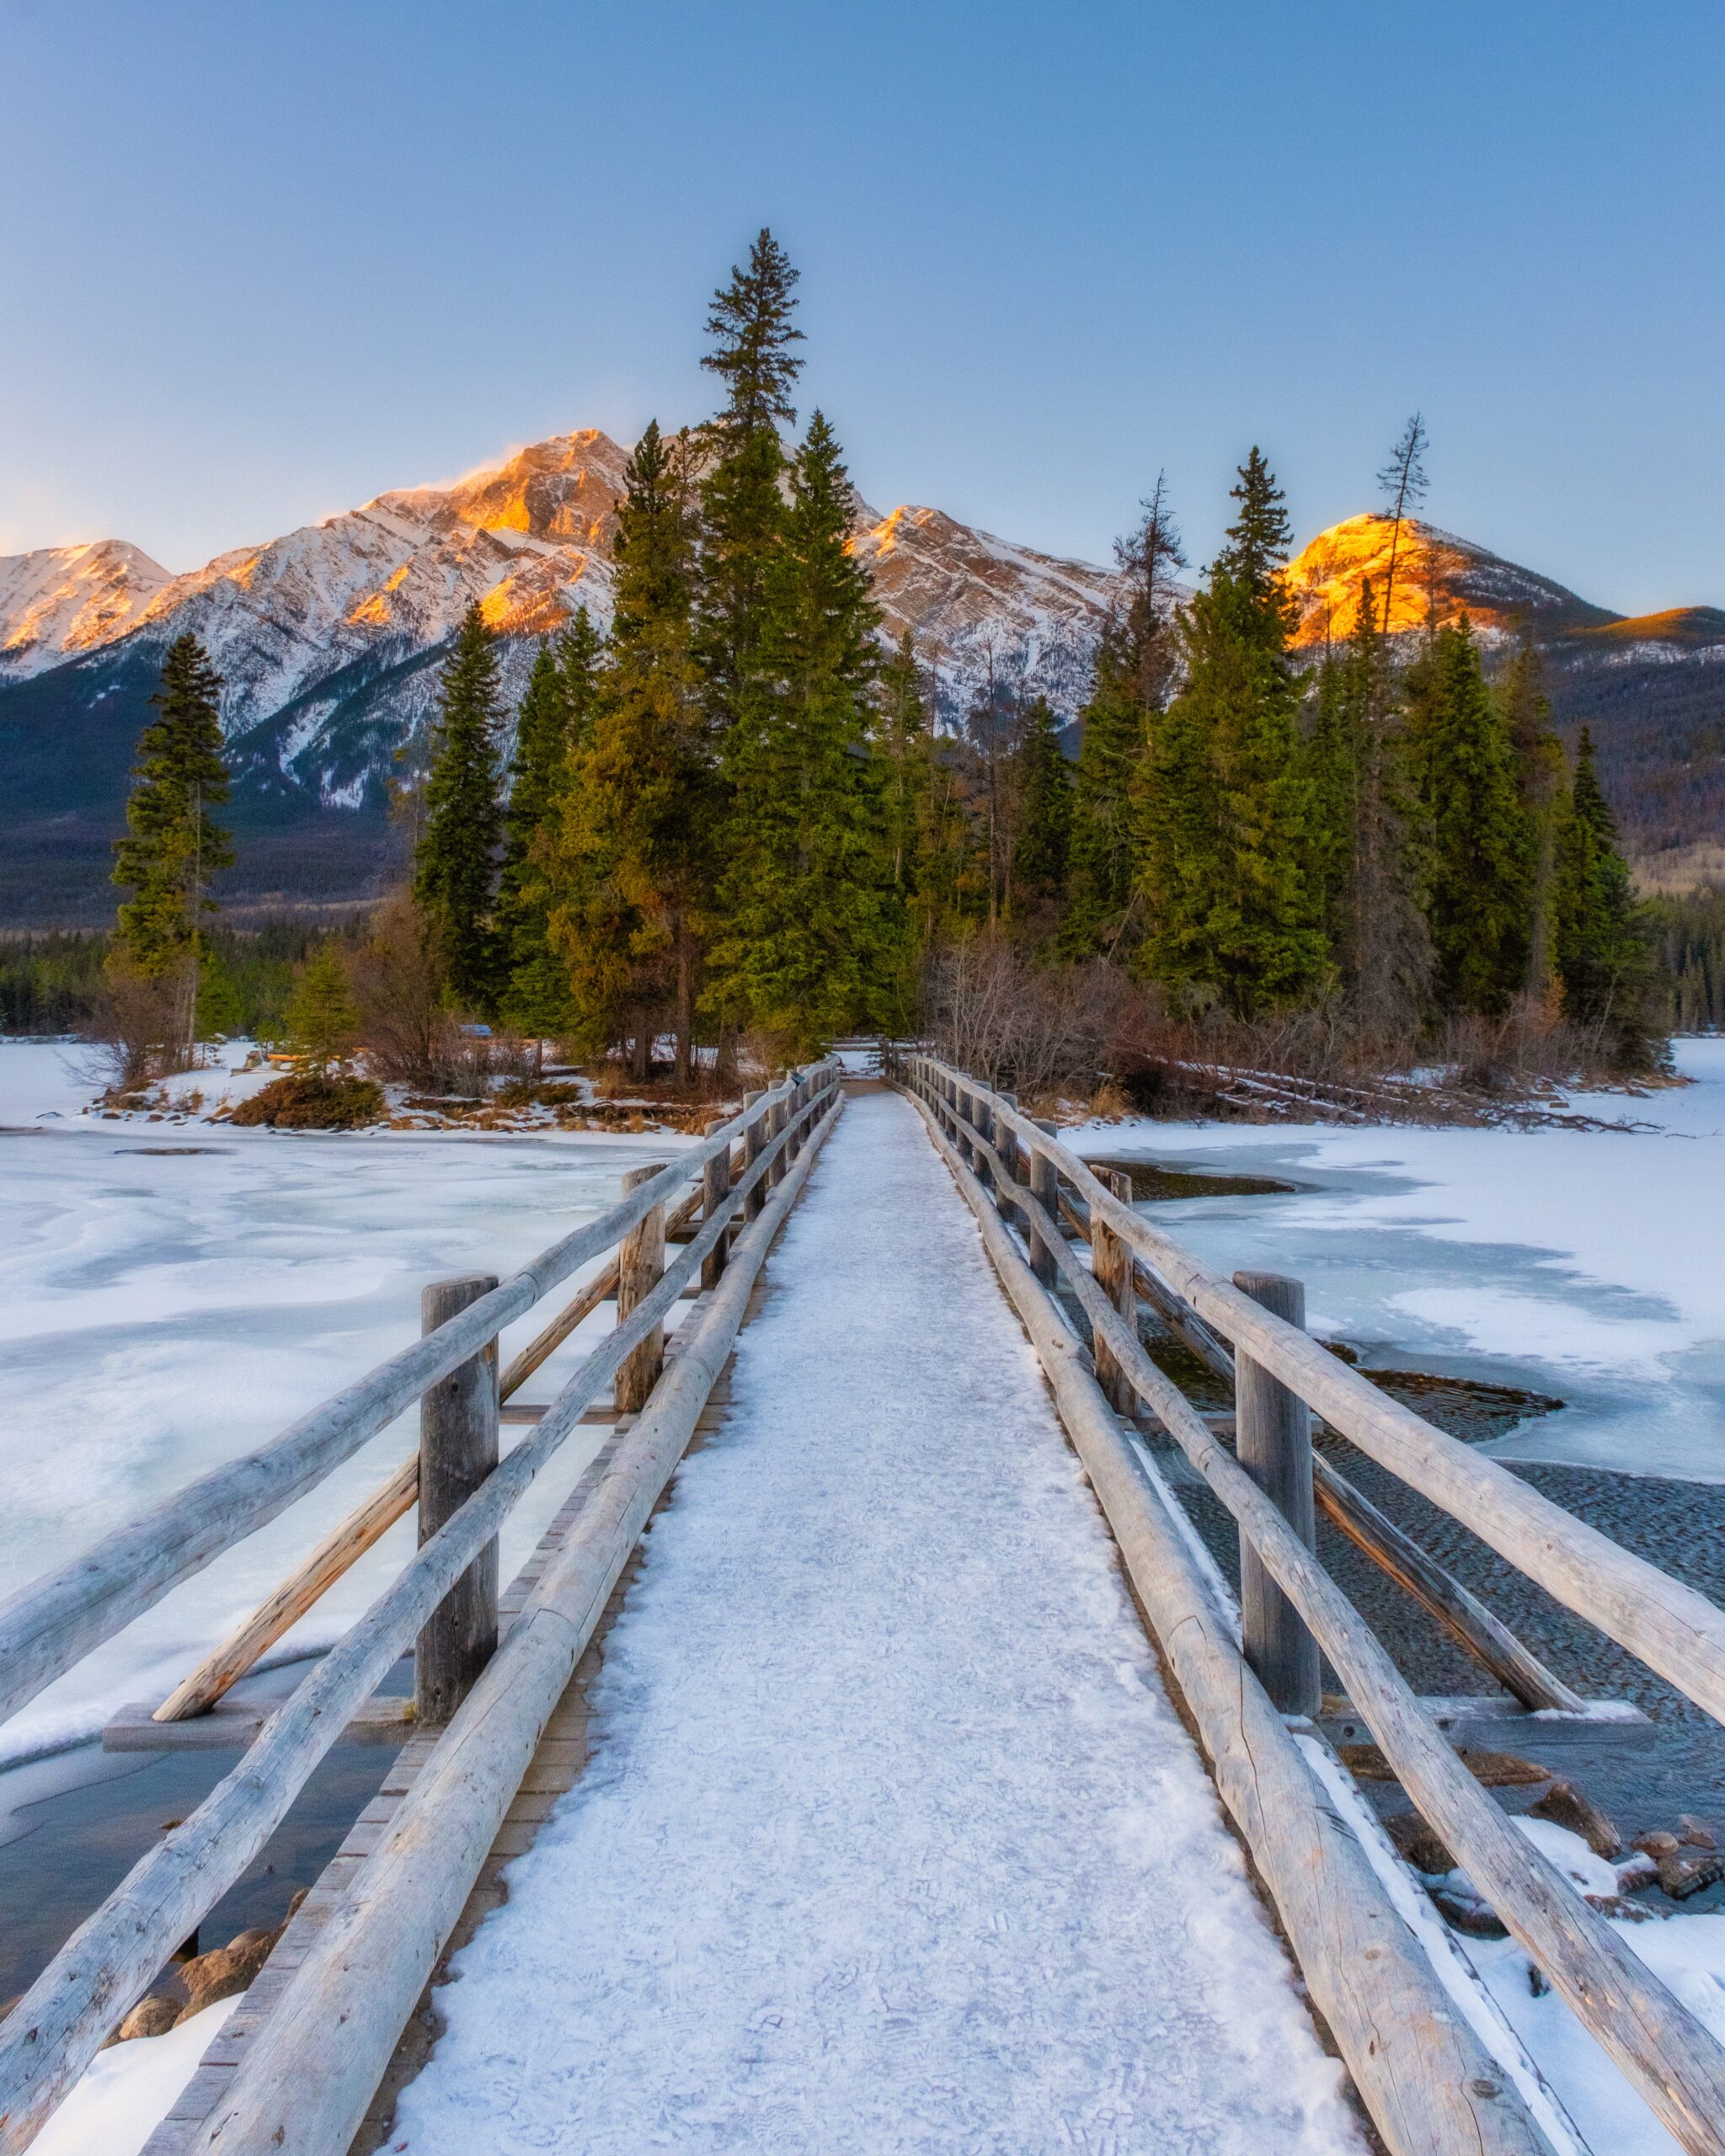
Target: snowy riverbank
(173, 1295)
(1586, 1264)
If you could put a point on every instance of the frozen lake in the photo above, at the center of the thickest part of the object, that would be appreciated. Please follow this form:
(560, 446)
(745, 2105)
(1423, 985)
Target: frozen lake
(163, 1310)
(1586, 1264)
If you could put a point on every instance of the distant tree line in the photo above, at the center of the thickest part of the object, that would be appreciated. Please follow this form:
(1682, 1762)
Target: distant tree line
(735, 816)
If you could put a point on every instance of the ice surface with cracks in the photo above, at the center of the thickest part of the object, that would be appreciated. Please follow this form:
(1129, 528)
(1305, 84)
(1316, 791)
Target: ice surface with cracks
(890, 1839)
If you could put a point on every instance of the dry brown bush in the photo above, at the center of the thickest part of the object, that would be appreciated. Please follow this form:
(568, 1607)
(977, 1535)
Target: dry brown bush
(1039, 1030)
(136, 1033)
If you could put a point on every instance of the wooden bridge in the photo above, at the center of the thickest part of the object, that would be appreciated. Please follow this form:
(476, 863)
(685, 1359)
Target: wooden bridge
(882, 1617)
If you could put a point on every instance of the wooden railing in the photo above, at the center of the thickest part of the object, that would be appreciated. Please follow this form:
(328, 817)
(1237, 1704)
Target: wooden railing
(1017, 1176)
(746, 1173)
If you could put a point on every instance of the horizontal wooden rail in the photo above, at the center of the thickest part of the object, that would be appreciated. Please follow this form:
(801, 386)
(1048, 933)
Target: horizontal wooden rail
(1674, 1628)
(309, 2073)
(1429, 2085)
(1461, 1613)
(53, 1623)
(57, 2028)
(280, 1611)
(1674, 2062)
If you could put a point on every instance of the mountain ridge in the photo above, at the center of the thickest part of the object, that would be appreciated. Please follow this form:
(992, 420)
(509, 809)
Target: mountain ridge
(329, 637)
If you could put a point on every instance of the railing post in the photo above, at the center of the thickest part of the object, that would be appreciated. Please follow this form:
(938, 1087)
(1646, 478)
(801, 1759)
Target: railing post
(778, 1118)
(985, 1130)
(1273, 1437)
(458, 1450)
(799, 1101)
(754, 1145)
(1045, 1186)
(1006, 1144)
(715, 1188)
(1111, 1266)
(640, 1262)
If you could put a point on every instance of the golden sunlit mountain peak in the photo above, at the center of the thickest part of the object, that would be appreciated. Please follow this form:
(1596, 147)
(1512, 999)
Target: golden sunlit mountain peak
(1431, 570)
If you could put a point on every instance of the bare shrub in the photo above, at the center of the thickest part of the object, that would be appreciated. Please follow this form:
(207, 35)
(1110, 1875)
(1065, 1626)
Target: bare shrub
(1037, 1029)
(134, 1034)
(407, 1030)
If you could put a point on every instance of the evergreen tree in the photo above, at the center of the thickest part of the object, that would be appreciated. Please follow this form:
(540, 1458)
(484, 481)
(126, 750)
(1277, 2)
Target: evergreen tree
(455, 863)
(902, 736)
(1228, 828)
(1105, 802)
(1366, 860)
(323, 1018)
(812, 944)
(1610, 979)
(1478, 866)
(742, 506)
(551, 730)
(1135, 664)
(634, 864)
(173, 846)
(221, 1007)
(1044, 834)
(1543, 785)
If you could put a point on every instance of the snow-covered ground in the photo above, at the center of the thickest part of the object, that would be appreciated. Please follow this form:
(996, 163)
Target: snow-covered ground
(173, 1294)
(1586, 1264)
(890, 1840)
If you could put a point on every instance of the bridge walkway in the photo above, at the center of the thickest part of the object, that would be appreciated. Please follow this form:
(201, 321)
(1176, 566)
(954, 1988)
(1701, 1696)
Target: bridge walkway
(889, 1837)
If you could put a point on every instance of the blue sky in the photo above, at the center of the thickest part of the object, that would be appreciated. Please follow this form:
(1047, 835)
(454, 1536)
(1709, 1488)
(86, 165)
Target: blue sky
(261, 260)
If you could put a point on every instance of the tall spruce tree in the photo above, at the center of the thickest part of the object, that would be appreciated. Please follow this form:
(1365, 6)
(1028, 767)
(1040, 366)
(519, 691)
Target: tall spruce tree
(1044, 834)
(1543, 783)
(1604, 957)
(1478, 867)
(173, 846)
(1368, 859)
(456, 860)
(550, 731)
(635, 863)
(812, 937)
(1136, 660)
(1234, 907)
(742, 506)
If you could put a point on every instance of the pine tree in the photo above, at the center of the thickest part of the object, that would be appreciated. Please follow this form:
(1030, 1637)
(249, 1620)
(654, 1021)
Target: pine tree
(1478, 863)
(1228, 826)
(1105, 803)
(1610, 979)
(1044, 834)
(323, 1019)
(456, 860)
(742, 506)
(635, 860)
(550, 732)
(1367, 859)
(1543, 784)
(1136, 661)
(902, 736)
(812, 941)
(172, 846)
(1403, 484)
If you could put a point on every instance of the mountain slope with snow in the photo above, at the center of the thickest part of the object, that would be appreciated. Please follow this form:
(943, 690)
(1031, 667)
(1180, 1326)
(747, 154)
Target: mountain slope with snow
(330, 640)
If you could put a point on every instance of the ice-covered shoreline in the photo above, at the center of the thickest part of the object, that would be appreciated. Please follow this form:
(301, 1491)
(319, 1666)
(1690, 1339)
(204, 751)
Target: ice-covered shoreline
(173, 1295)
(1589, 1264)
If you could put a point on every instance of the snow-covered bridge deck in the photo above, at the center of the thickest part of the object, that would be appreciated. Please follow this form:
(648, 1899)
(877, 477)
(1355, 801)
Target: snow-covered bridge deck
(889, 1839)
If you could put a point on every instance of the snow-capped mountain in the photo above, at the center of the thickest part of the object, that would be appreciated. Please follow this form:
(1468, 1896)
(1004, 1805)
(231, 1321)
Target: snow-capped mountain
(306, 627)
(330, 640)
